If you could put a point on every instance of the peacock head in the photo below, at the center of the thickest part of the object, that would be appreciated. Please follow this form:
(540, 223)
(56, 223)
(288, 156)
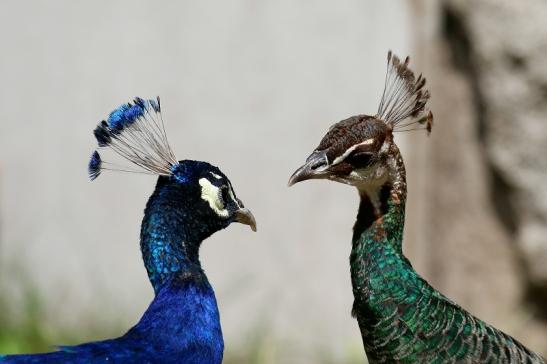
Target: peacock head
(136, 134)
(360, 151)
(210, 192)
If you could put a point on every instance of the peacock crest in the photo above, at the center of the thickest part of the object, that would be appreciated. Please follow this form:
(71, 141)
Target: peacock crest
(135, 132)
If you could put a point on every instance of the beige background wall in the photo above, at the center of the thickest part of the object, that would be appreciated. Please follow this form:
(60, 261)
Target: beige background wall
(249, 86)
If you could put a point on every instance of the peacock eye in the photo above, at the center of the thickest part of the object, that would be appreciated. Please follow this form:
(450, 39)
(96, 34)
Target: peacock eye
(359, 159)
(225, 194)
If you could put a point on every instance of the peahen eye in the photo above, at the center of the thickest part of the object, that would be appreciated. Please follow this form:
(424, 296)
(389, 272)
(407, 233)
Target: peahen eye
(317, 164)
(359, 159)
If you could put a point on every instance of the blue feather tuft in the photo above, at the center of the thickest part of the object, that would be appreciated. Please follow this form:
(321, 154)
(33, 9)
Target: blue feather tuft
(132, 114)
(94, 167)
(102, 134)
(156, 104)
(116, 119)
(127, 114)
(135, 132)
(147, 104)
(141, 102)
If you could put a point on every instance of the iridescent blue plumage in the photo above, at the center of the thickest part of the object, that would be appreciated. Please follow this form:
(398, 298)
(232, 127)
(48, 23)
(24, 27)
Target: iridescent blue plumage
(135, 132)
(127, 114)
(147, 104)
(94, 166)
(183, 172)
(182, 323)
(117, 118)
(102, 134)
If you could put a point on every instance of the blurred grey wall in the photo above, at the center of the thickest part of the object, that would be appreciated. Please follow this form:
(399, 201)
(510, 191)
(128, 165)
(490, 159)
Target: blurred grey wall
(250, 86)
(476, 208)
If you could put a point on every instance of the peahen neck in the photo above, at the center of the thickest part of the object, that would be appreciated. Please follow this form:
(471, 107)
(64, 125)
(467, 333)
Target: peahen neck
(382, 225)
(171, 236)
(378, 231)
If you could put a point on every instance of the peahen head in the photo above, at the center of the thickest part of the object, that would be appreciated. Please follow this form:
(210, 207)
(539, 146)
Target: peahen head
(192, 199)
(360, 151)
(355, 151)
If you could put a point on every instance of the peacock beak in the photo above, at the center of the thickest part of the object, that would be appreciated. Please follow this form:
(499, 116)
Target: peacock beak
(314, 168)
(245, 216)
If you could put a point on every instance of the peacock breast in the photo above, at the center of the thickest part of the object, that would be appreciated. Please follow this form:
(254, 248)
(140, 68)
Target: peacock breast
(183, 322)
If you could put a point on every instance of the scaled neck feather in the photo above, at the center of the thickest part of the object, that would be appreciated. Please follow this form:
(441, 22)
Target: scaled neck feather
(171, 237)
(378, 231)
(380, 219)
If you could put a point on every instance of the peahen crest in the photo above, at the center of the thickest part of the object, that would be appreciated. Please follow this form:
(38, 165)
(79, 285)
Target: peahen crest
(134, 132)
(404, 97)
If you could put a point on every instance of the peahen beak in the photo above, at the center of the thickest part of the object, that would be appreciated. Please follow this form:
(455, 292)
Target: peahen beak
(244, 216)
(314, 168)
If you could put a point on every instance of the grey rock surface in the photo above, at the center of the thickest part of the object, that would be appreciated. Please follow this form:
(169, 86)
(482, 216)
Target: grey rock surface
(480, 179)
(509, 50)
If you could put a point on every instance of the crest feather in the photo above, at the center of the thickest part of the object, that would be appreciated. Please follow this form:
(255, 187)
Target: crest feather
(94, 167)
(136, 133)
(404, 97)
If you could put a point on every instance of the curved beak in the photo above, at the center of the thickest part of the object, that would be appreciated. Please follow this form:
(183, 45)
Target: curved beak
(244, 216)
(312, 169)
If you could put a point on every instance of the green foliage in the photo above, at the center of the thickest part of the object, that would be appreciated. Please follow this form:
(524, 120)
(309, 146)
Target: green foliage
(23, 327)
(25, 334)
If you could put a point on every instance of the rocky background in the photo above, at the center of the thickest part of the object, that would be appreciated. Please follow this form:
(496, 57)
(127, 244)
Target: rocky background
(480, 184)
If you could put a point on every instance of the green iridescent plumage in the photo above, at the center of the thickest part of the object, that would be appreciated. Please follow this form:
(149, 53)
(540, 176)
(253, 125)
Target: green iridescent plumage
(402, 318)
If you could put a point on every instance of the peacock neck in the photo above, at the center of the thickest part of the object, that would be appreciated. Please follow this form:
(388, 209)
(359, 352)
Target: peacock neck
(170, 237)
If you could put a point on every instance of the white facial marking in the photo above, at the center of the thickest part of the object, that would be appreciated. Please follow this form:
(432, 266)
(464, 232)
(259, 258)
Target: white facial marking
(215, 175)
(351, 149)
(384, 148)
(233, 197)
(211, 194)
(374, 196)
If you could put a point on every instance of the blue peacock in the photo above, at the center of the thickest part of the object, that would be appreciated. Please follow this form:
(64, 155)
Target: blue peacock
(192, 200)
(402, 318)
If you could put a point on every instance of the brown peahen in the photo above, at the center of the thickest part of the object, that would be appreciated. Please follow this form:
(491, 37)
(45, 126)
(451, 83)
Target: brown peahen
(402, 318)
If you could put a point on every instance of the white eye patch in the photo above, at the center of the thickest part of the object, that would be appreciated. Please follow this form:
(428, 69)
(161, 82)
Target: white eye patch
(347, 152)
(211, 194)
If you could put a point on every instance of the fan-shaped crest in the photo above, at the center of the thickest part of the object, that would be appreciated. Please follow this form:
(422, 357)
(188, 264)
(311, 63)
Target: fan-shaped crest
(404, 97)
(136, 133)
